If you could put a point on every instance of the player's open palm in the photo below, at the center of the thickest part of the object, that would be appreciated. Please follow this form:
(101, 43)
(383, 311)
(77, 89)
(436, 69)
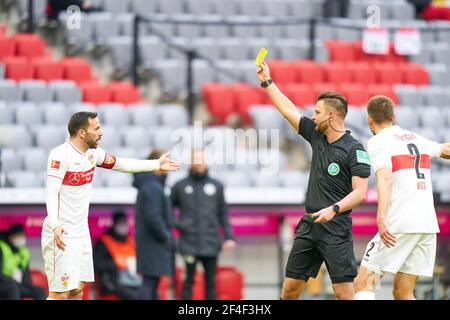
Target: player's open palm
(386, 236)
(167, 164)
(58, 234)
(263, 71)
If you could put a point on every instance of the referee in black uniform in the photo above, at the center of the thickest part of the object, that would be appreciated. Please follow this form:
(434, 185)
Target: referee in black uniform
(337, 183)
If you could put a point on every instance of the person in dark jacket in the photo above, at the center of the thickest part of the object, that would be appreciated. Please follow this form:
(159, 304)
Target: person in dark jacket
(15, 276)
(153, 226)
(203, 211)
(115, 260)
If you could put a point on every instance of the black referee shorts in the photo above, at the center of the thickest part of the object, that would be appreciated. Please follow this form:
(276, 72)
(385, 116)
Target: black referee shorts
(314, 243)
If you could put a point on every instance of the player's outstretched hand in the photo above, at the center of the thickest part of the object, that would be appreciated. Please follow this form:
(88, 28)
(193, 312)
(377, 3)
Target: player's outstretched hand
(263, 71)
(167, 164)
(386, 236)
(57, 233)
(324, 215)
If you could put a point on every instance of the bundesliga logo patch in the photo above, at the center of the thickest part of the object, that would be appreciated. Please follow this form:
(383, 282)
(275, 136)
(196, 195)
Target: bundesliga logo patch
(55, 164)
(333, 169)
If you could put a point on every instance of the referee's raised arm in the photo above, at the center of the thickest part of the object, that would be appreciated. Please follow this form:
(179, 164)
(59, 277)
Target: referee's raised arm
(283, 104)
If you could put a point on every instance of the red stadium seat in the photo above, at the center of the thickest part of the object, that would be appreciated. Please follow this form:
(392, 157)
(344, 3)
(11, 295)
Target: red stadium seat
(95, 92)
(229, 284)
(39, 279)
(124, 92)
(163, 288)
(29, 45)
(393, 57)
(246, 96)
(47, 69)
(336, 72)
(415, 74)
(307, 72)
(6, 47)
(340, 51)
(362, 72)
(18, 68)
(220, 100)
(318, 88)
(383, 89)
(76, 69)
(2, 29)
(360, 55)
(281, 71)
(356, 94)
(301, 95)
(87, 291)
(387, 73)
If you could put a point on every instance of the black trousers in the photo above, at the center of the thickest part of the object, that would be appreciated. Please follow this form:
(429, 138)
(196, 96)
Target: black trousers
(149, 289)
(210, 266)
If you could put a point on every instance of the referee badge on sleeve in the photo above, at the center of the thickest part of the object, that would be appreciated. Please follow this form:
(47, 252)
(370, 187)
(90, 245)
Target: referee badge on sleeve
(362, 157)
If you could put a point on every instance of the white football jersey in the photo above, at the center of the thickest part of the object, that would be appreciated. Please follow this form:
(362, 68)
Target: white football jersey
(76, 171)
(408, 156)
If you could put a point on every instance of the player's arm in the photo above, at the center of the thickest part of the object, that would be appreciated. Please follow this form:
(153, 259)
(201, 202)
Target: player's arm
(445, 151)
(281, 102)
(56, 170)
(384, 190)
(129, 165)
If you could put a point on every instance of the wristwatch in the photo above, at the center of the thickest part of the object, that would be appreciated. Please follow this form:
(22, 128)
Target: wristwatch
(266, 83)
(336, 209)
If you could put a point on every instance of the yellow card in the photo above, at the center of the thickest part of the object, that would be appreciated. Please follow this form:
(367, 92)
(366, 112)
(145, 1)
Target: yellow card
(261, 55)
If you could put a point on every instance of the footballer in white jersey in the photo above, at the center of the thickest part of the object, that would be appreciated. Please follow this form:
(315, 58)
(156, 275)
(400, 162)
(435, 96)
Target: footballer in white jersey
(66, 243)
(406, 242)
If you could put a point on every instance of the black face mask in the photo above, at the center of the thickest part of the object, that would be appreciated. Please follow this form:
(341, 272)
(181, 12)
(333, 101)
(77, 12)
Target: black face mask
(198, 175)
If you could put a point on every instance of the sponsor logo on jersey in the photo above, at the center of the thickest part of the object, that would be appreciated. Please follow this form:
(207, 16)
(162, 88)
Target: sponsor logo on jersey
(65, 278)
(55, 164)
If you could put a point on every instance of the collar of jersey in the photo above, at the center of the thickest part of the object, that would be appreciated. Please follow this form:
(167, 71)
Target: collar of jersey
(74, 146)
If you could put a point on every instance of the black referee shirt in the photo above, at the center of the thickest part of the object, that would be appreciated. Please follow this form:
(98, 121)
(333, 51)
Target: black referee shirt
(333, 166)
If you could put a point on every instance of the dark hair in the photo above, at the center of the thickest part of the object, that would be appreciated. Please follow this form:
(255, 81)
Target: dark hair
(80, 120)
(15, 229)
(381, 109)
(155, 154)
(336, 101)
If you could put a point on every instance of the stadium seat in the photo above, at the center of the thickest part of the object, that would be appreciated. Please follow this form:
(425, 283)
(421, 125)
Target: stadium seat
(237, 178)
(47, 69)
(39, 279)
(407, 117)
(124, 92)
(118, 180)
(294, 179)
(431, 117)
(65, 91)
(383, 89)
(110, 138)
(300, 94)
(137, 137)
(114, 114)
(28, 114)
(292, 49)
(6, 114)
(143, 115)
(220, 100)
(408, 95)
(335, 72)
(318, 88)
(7, 46)
(51, 136)
(164, 138)
(362, 72)
(172, 115)
(35, 91)
(233, 48)
(229, 283)
(265, 117)
(340, 51)
(10, 160)
(104, 25)
(23, 179)
(17, 68)
(388, 73)
(433, 96)
(281, 71)
(29, 45)
(94, 92)
(34, 159)
(415, 74)
(245, 97)
(15, 136)
(8, 91)
(55, 113)
(355, 93)
(76, 69)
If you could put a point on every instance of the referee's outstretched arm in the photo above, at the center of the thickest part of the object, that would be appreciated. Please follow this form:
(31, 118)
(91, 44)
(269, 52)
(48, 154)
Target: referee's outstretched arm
(283, 104)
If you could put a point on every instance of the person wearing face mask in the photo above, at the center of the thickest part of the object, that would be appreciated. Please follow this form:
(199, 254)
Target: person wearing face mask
(153, 226)
(15, 277)
(115, 260)
(203, 212)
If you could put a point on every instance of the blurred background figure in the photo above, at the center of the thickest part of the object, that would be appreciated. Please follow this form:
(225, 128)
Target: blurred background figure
(115, 260)
(203, 211)
(15, 278)
(153, 225)
(54, 7)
